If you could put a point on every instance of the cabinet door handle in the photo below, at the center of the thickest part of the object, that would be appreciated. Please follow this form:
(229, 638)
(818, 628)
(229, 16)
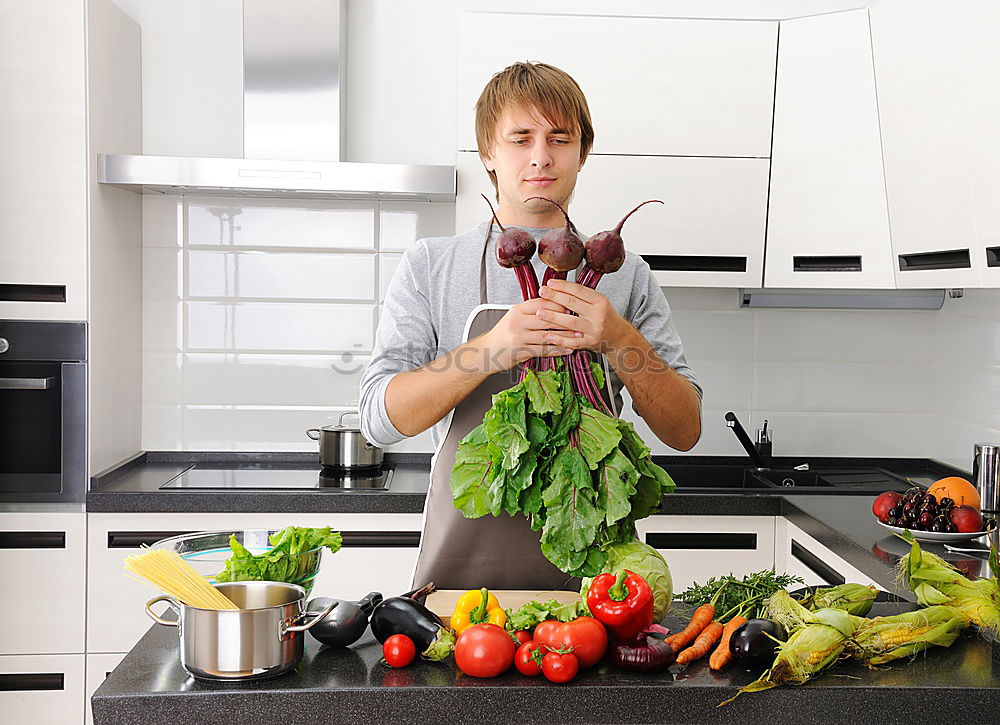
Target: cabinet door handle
(135, 539)
(816, 565)
(26, 383)
(707, 540)
(33, 292)
(993, 256)
(695, 263)
(32, 539)
(848, 263)
(378, 539)
(24, 681)
(948, 259)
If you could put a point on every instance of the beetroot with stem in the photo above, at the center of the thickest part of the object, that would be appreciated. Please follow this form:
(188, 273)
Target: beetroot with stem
(605, 251)
(515, 248)
(561, 249)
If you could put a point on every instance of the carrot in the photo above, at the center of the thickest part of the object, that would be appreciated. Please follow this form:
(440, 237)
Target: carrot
(701, 618)
(709, 636)
(722, 656)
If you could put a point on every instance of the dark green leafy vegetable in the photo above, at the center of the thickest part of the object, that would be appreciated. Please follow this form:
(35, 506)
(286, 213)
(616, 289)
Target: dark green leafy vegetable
(581, 477)
(284, 561)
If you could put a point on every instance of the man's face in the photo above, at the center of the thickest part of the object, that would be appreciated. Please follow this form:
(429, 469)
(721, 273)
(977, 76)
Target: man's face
(531, 157)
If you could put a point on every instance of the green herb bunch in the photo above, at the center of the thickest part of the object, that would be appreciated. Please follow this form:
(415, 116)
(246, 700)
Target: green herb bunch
(746, 596)
(581, 477)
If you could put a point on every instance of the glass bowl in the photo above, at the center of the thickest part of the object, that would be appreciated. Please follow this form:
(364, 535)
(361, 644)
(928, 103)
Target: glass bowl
(207, 552)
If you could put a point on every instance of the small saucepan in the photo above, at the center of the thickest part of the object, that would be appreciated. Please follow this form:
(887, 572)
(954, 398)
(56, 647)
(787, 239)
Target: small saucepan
(343, 446)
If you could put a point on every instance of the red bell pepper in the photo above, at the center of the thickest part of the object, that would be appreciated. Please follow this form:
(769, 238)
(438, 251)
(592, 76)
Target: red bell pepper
(622, 602)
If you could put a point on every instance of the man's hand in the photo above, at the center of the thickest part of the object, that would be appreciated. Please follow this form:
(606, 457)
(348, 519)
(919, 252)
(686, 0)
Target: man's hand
(596, 326)
(522, 334)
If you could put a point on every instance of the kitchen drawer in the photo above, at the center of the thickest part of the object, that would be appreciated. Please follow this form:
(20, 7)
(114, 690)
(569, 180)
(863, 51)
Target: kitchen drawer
(799, 553)
(699, 547)
(116, 619)
(41, 689)
(42, 562)
(98, 668)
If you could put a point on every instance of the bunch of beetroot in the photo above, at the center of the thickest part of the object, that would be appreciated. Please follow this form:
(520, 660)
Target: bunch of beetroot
(549, 447)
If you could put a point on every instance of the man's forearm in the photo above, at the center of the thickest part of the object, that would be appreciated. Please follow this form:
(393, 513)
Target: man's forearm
(417, 399)
(666, 400)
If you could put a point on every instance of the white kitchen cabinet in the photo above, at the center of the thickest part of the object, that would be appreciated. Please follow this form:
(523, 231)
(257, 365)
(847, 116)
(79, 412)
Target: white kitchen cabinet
(98, 668)
(827, 225)
(43, 168)
(796, 552)
(979, 58)
(42, 689)
(43, 596)
(654, 86)
(917, 46)
(699, 547)
(378, 555)
(708, 233)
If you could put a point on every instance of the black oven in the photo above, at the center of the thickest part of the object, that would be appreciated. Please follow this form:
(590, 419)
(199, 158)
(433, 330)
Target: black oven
(43, 411)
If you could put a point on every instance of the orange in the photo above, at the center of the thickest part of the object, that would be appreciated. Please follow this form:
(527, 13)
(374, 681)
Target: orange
(957, 489)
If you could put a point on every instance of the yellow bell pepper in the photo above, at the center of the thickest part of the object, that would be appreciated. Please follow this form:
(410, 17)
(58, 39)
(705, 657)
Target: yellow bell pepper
(477, 606)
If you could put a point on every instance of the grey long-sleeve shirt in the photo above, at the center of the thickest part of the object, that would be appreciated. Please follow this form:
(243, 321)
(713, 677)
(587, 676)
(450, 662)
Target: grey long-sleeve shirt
(435, 288)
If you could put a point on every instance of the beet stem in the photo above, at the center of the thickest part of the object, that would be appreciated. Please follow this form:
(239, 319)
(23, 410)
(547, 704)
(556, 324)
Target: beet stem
(618, 229)
(494, 213)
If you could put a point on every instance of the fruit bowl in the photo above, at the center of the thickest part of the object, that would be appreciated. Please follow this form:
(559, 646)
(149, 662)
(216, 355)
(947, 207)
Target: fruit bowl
(937, 537)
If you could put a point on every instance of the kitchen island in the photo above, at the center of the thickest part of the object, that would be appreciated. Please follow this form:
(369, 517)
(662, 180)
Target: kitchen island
(960, 684)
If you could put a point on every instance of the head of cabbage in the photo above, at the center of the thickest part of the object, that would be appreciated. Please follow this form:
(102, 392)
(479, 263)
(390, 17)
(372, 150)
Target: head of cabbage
(648, 563)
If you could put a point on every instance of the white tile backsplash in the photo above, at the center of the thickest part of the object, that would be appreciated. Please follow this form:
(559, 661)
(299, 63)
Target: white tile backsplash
(259, 315)
(273, 275)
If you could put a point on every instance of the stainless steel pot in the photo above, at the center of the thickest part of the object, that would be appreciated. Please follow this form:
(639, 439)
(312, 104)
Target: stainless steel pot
(343, 446)
(261, 639)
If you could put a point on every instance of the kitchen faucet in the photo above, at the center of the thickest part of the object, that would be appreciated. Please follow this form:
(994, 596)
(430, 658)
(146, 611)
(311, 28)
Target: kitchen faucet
(759, 452)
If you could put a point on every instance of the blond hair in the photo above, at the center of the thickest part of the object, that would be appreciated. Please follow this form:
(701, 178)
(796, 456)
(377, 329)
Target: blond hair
(533, 85)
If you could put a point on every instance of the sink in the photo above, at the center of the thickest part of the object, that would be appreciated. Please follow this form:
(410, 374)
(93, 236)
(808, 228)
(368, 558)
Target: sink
(731, 477)
(690, 475)
(789, 478)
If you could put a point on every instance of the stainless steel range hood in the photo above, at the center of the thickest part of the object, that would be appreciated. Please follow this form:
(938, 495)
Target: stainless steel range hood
(294, 56)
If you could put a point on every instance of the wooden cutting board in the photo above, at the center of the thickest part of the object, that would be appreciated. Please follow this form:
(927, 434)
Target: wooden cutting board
(442, 602)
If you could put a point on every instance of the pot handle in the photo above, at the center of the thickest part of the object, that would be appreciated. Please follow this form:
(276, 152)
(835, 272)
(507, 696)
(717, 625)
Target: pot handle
(346, 413)
(284, 629)
(310, 431)
(156, 617)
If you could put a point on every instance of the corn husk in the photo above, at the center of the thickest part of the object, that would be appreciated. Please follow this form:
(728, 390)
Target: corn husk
(787, 612)
(936, 582)
(883, 639)
(856, 599)
(812, 648)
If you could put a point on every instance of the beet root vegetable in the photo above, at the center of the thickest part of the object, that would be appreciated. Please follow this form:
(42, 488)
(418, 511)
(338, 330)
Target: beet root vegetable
(605, 251)
(561, 249)
(515, 248)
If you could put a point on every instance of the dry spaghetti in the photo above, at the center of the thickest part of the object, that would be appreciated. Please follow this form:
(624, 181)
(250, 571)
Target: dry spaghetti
(168, 572)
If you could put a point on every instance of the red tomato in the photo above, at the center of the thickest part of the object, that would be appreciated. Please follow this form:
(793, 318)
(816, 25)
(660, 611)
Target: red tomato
(545, 632)
(586, 636)
(525, 660)
(522, 636)
(560, 666)
(399, 650)
(484, 650)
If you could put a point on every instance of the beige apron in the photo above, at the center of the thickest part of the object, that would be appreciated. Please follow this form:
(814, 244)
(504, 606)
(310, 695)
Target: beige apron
(495, 552)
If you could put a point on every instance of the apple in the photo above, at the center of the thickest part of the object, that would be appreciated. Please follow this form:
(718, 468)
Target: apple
(966, 519)
(884, 503)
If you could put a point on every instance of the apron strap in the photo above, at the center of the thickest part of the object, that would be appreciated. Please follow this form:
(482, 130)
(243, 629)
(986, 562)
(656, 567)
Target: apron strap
(482, 265)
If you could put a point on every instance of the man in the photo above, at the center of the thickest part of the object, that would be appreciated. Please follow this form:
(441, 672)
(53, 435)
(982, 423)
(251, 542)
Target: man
(534, 133)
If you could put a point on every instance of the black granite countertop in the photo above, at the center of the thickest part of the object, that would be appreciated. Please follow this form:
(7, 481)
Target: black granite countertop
(960, 684)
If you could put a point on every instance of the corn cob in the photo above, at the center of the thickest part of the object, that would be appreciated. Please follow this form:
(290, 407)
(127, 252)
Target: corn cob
(884, 639)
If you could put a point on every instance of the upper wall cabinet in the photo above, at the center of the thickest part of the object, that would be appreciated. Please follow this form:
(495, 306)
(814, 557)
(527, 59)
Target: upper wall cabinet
(655, 86)
(979, 58)
(827, 220)
(43, 167)
(918, 55)
(708, 233)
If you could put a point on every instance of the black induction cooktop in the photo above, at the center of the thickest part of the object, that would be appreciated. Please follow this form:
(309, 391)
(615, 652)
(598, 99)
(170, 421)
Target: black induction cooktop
(282, 479)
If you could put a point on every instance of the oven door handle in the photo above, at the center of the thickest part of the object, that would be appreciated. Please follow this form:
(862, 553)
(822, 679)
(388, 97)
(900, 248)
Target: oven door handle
(26, 383)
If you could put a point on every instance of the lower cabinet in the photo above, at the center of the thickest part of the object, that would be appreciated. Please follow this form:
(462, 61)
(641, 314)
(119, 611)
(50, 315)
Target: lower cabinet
(42, 689)
(799, 553)
(699, 547)
(378, 555)
(98, 668)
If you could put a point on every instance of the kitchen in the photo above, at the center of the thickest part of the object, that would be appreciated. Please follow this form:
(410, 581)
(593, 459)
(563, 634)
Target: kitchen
(830, 184)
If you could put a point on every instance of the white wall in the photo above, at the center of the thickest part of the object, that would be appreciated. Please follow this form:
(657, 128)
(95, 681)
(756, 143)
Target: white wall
(864, 383)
